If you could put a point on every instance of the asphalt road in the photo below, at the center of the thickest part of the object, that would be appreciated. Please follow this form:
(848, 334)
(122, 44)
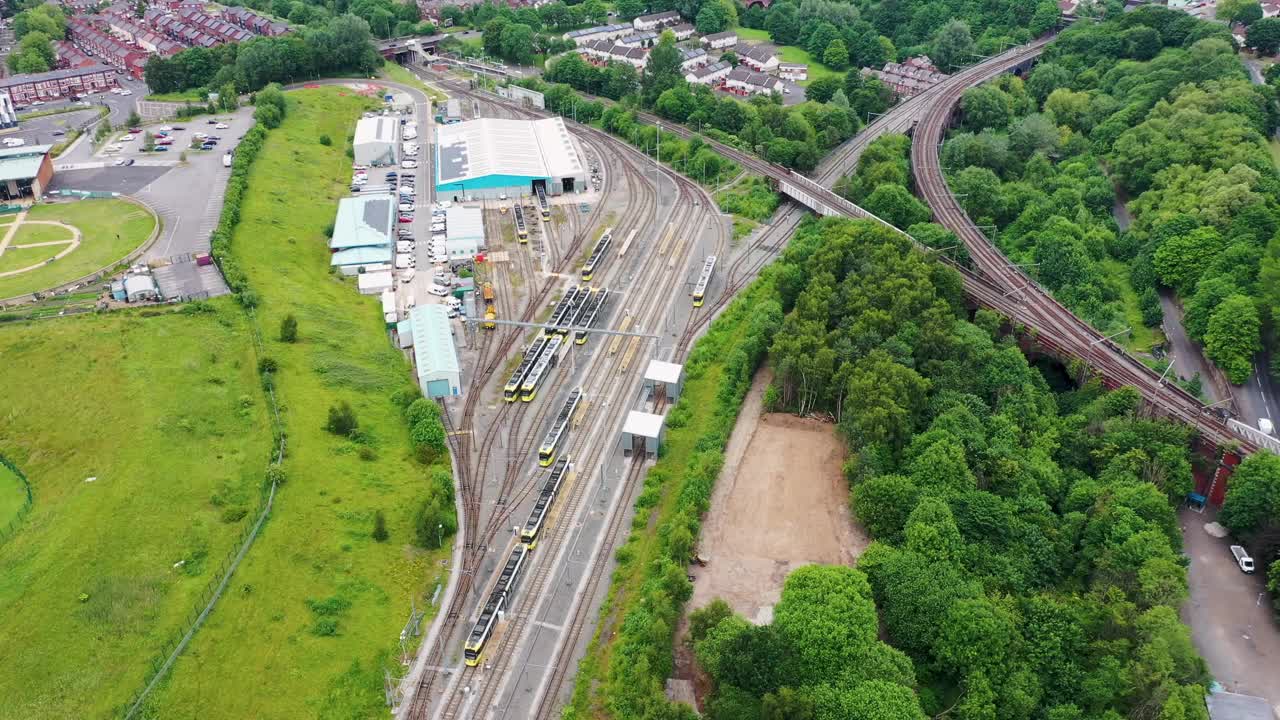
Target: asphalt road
(1230, 616)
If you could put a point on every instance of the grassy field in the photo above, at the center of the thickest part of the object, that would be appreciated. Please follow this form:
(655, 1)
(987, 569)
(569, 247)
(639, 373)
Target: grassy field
(1142, 337)
(790, 54)
(191, 96)
(314, 613)
(396, 73)
(12, 496)
(109, 229)
(165, 412)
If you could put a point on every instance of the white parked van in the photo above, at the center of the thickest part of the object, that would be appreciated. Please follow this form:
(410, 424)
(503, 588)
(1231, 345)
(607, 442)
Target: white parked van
(407, 275)
(1242, 559)
(404, 261)
(438, 290)
(1264, 424)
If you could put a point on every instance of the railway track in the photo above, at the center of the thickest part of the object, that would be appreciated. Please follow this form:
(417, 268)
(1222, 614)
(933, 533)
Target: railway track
(471, 478)
(635, 217)
(1056, 326)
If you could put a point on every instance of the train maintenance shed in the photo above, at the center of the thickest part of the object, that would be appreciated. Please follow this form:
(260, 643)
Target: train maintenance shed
(642, 432)
(434, 356)
(665, 378)
(492, 157)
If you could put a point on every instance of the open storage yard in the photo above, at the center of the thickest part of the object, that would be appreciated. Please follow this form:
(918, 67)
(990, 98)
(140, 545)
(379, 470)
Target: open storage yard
(781, 502)
(144, 439)
(108, 230)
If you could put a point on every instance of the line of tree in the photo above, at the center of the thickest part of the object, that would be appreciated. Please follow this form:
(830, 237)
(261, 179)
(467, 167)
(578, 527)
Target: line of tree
(872, 32)
(386, 18)
(516, 36)
(35, 29)
(796, 136)
(1026, 558)
(1163, 99)
(342, 45)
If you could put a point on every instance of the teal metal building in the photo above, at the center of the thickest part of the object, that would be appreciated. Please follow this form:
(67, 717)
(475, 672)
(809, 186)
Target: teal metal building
(492, 157)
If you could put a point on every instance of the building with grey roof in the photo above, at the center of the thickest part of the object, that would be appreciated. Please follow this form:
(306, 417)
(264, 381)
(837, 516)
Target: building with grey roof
(377, 140)
(491, 157)
(434, 356)
(362, 232)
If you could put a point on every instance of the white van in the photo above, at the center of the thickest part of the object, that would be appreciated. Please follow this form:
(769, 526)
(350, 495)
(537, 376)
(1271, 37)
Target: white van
(438, 291)
(405, 261)
(1264, 424)
(407, 275)
(1242, 559)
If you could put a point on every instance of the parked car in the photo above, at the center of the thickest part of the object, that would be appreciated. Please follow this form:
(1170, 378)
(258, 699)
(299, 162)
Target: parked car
(406, 218)
(405, 207)
(409, 164)
(160, 148)
(407, 275)
(221, 126)
(1242, 559)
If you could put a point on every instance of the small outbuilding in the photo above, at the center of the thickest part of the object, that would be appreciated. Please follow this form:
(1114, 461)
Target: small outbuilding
(464, 232)
(140, 288)
(642, 432)
(25, 172)
(377, 140)
(663, 379)
(434, 354)
(375, 283)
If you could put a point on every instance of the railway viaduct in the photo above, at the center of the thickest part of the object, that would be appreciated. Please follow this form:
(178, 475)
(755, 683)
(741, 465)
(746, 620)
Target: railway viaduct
(994, 283)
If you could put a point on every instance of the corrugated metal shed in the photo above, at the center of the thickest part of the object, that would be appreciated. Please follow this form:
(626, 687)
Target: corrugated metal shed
(433, 350)
(493, 146)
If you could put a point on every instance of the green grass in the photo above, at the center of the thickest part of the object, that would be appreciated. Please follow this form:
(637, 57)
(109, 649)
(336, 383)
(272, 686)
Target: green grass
(791, 54)
(1274, 146)
(1142, 337)
(13, 496)
(192, 96)
(259, 655)
(166, 413)
(397, 73)
(110, 229)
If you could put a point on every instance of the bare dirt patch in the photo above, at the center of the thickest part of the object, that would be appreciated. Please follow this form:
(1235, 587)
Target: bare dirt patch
(781, 502)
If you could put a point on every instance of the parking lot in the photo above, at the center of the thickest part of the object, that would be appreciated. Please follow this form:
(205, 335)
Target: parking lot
(174, 138)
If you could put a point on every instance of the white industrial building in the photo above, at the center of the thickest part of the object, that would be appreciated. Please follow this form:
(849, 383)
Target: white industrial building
(492, 157)
(377, 140)
(464, 232)
(434, 355)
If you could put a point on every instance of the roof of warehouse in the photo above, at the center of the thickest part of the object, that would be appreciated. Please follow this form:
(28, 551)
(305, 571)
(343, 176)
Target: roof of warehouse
(364, 255)
(433, 340)
(377, 129)
(363, 221)
(463, 223)
(21, 163)
(493, 146)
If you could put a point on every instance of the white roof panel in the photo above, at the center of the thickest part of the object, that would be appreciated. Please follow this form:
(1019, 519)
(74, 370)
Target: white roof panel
(643, 424)
(663, 372)
(494, 146)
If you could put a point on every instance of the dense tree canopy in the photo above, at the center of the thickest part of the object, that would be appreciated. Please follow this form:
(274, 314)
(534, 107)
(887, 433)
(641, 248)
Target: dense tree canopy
(1010, 519)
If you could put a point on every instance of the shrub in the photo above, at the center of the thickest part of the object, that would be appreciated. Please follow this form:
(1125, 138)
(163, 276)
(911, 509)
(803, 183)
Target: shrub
(429, 439)
(380, 527)
(275, 475)
(289, 329)
(433, 522)
(342, 419)
(326, 140)
(422, 409)
(267, 364)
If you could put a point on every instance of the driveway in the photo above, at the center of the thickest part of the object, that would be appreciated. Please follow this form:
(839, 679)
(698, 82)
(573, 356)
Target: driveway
(1231, 619)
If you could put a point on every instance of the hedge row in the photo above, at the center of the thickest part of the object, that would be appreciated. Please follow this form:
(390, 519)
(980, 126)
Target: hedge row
(246, 153)
(641, 656)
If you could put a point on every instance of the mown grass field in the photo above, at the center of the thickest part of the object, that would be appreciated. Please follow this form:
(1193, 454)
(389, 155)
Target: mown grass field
(110, 229)
(314, 613)
(166, 413)
(790, 54)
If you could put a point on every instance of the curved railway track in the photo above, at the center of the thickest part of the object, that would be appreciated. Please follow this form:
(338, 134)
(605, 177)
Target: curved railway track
(1056, 326)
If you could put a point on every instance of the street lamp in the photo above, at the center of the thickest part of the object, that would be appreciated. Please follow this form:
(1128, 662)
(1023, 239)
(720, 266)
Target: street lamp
(440, 535)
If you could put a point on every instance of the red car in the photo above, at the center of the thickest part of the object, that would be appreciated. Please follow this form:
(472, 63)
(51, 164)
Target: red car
(406, 218)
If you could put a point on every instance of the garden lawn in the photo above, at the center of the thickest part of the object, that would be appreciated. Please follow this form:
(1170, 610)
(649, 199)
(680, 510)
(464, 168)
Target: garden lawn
(790, 54)
(191, 96)
(109, 230)
(313, 615)
(166, 413)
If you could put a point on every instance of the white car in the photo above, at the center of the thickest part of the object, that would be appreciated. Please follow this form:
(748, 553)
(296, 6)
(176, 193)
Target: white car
(126, 138)
(440, 259)
(115, 91)
(406, 207)
(407, 275)
(166, 128)
(126, 92)
(408, 190)
(409, 164)
(221, 126)
(359, 181)
(37, 103)
(410, 136)
(444, 204)
(14, 142)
